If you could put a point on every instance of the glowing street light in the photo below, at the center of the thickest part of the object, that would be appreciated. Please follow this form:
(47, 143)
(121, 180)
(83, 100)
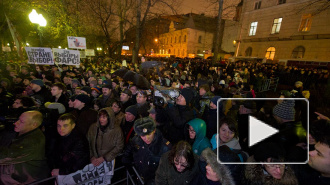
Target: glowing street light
(37, 18)
(27, 44)
(8, 44)
(59, 47)
(156, 40)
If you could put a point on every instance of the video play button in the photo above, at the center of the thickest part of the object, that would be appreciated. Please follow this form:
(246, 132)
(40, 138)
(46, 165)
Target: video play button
(259, 131)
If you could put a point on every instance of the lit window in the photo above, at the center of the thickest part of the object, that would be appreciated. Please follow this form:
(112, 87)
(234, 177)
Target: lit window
(248, 52)
(179, 39)
(184, 40)
(253, 28)
(200, 39)
(257, 5)
(171, 39)
(306, 23)
(281, 1)
(298, 52)
(175, 40)
(270, 53)
(276, 25)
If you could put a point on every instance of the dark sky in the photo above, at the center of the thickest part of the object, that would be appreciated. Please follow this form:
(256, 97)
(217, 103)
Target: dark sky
(197, 6)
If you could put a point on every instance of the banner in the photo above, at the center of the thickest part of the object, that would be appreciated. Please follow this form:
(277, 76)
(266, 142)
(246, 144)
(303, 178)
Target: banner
(77, 42)
(90, 52)
(82, 54)
(66, 57)
(39, 56)
(99, 175)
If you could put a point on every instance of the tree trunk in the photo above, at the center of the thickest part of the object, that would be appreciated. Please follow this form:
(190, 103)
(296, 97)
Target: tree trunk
(137, 34)
(218, 33)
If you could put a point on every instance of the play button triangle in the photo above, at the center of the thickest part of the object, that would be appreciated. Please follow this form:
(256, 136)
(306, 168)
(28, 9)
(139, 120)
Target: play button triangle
(259, 131)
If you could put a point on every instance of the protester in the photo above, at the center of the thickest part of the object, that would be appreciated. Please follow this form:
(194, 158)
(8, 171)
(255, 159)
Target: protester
(105, 138)
(85, 116)
(71, 152)
(23, 161)
(197, 135)
(178, 166)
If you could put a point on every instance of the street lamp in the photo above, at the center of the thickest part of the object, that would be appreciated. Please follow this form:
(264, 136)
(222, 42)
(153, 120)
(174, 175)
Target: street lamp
(38, 19)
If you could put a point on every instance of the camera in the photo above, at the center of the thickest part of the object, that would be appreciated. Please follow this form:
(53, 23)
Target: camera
(165, 95)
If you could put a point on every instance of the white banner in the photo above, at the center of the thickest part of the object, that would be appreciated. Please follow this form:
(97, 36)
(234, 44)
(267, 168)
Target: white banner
(90, 52)
(82, 54)
(39, 56)
(77, 42)
(99, 175)
(66, 57)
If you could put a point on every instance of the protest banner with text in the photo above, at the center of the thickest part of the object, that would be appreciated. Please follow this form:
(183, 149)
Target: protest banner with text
(90, 174)
(39, 56)
(66, 57)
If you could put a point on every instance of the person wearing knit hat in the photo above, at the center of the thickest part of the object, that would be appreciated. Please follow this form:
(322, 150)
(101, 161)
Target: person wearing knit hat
(86, 90)
(132, 110)
(38, 82)
(85, 116)
(41, 93)
(187, 94)
(284, 111)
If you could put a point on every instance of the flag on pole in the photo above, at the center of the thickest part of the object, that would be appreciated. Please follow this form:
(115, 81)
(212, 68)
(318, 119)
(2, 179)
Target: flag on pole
(15, 36)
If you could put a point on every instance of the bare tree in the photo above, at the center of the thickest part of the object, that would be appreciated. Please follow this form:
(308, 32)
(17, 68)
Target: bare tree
(147, 6)
(319, 6)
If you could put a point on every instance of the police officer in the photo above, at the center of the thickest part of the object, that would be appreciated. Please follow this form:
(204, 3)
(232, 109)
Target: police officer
(145, 149)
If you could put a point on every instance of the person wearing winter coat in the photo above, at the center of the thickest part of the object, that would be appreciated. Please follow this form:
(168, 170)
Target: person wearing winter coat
(197, 134)
(270, 173)
(106, 139)
(228, 135)
(145, 149)
(213, 173)
(178, 166)
(72, 152)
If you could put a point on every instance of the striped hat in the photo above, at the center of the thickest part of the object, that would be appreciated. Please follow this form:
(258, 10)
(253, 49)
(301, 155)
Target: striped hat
(285, 110)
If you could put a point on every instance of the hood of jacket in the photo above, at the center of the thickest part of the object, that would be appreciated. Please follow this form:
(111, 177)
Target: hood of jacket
(112, 118)
(256, 174)
(222, 171)
(199, 127)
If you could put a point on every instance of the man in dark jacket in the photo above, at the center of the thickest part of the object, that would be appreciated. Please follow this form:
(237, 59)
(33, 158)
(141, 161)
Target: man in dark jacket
(58, 92)
(107, 97)
(177, 116)
(126, 99)
(72, 152)
(142, 104)
(85, 116)
(146, 149)
(23, 161)
(41, 93)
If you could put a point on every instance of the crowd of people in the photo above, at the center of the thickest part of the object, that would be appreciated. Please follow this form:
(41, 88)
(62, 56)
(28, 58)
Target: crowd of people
(57, 119)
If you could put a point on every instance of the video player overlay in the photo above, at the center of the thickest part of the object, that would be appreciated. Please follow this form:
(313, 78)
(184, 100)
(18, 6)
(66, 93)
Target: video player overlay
(272, 131)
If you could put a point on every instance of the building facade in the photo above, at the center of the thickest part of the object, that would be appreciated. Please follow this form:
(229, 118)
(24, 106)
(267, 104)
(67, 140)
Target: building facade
(192, 36)
(284, 29)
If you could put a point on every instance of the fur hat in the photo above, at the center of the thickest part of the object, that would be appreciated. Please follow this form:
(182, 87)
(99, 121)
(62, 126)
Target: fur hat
(127, 91)
(109, 86)
(144, 126)
(38, 82)
(132, 109)
(187, 94)
(285, 110)
(83, 98)
(223, 173)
